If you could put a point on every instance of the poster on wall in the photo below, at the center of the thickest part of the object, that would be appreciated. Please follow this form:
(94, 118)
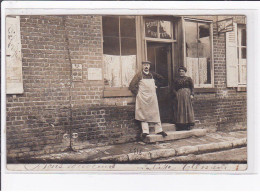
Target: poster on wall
(14, 76)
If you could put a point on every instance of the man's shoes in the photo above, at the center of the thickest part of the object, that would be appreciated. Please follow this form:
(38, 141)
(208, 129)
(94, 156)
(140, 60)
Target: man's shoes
(144, 135)
(162, 133)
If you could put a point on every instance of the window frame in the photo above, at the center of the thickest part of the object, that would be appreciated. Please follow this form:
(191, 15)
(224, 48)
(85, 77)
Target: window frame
(122, 91)
(210, 22)
(108, 91)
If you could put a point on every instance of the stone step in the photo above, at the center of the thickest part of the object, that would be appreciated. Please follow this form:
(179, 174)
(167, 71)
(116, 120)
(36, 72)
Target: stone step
(166, 127)
(174, 135)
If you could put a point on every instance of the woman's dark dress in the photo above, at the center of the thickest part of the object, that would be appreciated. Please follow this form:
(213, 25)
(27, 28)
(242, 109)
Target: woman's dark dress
(184, 114)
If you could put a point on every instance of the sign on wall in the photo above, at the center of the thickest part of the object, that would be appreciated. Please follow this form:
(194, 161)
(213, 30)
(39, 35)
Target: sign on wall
(225, 25)
(76, 72)
(94, 74)
(14, 76)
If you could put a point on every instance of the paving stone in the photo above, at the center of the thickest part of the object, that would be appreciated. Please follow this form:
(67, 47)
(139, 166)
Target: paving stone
(186, 150)
(239, 142)
(162, 153)
(117, 158)
(208, 147)
(142, 156)
(225, 145)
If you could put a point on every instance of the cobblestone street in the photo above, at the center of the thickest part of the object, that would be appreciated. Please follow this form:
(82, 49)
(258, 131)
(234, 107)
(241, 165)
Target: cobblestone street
(213, 147)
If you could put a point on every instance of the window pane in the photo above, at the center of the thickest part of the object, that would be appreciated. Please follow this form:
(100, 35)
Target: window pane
(151, 28)
(165, 29)
(127, 27)
(243, 74)
(204, 53)
(111, 45)
(204, 41)
(243, 38)
(128, 46)
(243, 53)
(128, 69)
(112, 73)
(110, 26)
(198, 52)
(191, 37)
(203, 30)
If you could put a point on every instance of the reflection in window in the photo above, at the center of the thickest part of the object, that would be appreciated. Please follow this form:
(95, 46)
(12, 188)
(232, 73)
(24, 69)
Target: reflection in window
(155, 28)
(198, 52)
(165, 29)
(119, 48)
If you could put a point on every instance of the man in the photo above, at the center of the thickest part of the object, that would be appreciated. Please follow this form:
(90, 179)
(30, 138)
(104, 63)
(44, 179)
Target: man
(144, 87)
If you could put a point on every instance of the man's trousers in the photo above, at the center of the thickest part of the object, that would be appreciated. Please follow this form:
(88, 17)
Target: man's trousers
(157, 127)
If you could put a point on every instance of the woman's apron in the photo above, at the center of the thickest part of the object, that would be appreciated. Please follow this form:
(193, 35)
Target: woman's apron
(146, 108)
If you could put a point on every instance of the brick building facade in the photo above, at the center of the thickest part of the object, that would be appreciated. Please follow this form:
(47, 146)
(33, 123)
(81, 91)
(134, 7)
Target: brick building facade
(53, 105)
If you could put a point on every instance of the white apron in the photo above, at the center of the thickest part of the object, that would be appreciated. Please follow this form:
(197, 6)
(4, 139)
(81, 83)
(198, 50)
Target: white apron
(146, 108)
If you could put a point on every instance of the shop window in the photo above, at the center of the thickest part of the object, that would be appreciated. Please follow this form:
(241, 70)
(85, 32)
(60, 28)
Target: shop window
(236, 56)
(119, 49)
(198, 52)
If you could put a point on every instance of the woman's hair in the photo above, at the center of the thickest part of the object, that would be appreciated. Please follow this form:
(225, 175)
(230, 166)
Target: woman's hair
(183, 68)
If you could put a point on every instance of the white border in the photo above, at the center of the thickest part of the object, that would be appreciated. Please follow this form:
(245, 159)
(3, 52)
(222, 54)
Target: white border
(135, 181)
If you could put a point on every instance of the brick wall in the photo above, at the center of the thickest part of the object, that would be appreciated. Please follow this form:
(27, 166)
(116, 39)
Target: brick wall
(38, 118)
(52, 106)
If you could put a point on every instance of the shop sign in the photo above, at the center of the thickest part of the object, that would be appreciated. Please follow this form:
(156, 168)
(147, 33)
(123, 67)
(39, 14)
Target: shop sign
(225, 25)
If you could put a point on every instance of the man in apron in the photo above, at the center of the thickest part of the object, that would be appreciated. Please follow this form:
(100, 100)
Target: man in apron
(144, 87)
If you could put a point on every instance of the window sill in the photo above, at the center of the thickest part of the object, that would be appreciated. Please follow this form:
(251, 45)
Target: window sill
(117, 92)
(205, 90)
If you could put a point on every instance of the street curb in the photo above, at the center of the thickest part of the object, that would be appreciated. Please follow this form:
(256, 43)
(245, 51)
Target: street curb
(181, 151)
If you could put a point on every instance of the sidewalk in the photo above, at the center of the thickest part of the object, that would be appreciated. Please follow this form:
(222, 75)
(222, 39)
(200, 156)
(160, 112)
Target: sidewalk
(139, 151)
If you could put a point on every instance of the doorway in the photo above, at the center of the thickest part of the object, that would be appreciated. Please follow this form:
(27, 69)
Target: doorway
(160, 55)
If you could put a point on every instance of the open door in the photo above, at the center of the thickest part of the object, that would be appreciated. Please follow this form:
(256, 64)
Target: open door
(160, 55)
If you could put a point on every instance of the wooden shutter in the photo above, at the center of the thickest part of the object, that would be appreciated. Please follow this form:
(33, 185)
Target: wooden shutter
(232, 57)
(14, 76)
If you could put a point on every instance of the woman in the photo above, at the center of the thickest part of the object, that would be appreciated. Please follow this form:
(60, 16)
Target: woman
(183, 110)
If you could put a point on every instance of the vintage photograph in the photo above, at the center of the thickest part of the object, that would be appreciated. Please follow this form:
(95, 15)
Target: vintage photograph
(126, 92)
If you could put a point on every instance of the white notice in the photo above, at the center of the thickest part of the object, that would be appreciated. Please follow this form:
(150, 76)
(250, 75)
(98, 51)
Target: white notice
(94, 74)
(14, 76)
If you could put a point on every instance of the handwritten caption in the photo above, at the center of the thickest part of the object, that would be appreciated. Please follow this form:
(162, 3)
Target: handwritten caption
(135, 167)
